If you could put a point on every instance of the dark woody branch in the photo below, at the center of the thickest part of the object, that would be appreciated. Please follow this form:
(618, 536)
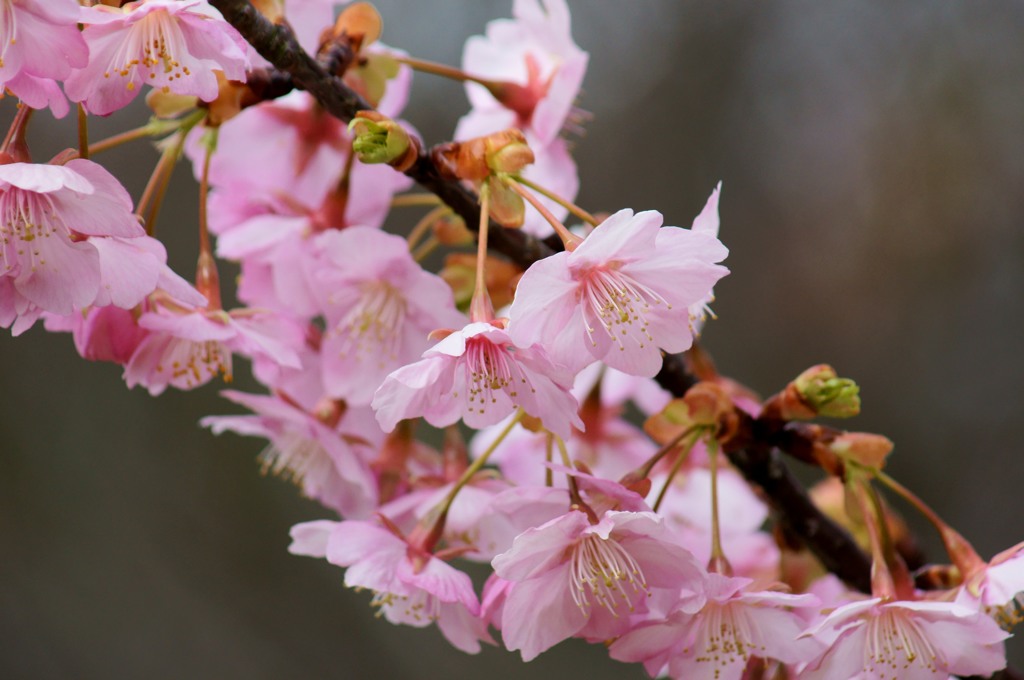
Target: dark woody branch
(757, 458)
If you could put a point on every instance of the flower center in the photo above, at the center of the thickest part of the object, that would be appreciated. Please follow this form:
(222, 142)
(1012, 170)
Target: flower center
(373, 327)
(411, 609)
(603, 573)
(26, 216)
(295, 458)
(726, 635)
(193, 363)
(491, 368)
(152, 42)
(895, 640)
(618, 303)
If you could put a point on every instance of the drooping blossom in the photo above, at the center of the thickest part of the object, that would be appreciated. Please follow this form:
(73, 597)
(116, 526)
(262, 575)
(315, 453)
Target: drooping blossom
(39, 44)
(318, 451)
(46, 213)
(477, 374)
(572, 578)
(175, 45)
(621, 296)
(715, 632)
(534, 55)
(188, 347)
(411, 586)
(998, 587)
(906, 640)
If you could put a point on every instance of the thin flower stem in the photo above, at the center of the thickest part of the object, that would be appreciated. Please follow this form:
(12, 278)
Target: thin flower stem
(423, 226)
(83, 133)
(960, 550)
(570, 239)
(677, 464)
(446, 71)
(882, 584)
(149, 204)
(412, 200)
(119, 139)
(428, 246)
(645, 469)
(480, 307)
(568, 205)
(481, 460)
(204, 192)
(718, 562)
(207, 277)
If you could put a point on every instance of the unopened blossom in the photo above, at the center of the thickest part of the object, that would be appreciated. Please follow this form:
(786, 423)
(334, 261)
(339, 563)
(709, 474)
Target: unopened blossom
(411, 586)
(716, 632)
(46, 213)
(536, 59)
(572, 578)
(174, 45)
(905, 640)
(39, 44)
(308, 449)
(622, 296)
(477, 374)
(188, 347)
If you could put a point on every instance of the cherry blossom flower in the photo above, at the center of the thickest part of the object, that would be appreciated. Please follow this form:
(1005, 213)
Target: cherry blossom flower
(573, 578)
(621, 296)
(906, 640)
(324, 459)
(714, 633)
(534, 54)
(39, 44)
(998, 588)
(187, 347)
(478, 374)
(46, 211)
(175, 45)
(379, 310)
(411, 586)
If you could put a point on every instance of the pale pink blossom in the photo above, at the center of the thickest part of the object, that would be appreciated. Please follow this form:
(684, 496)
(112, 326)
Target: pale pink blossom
(39, 44)
(46, 213)
(187, 347)
(535, 53)
(998, 587)
(300, 154)
(876, 639)
(319, 454)
(621, 296)
(572, 578)
(379, 310)
(478, 375)
(411, 586)
(174, 45)
(713, 634)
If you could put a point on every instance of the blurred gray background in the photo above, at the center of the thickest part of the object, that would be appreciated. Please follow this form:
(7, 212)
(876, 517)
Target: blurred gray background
(872, 155)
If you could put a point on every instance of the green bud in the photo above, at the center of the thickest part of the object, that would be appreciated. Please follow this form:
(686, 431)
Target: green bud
(379, 141)
(827, 393)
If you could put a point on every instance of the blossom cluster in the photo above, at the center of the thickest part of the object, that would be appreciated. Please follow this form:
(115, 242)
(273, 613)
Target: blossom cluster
(643, 539)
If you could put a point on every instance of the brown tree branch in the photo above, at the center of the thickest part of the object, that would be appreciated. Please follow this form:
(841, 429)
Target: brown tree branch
(757, 459)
